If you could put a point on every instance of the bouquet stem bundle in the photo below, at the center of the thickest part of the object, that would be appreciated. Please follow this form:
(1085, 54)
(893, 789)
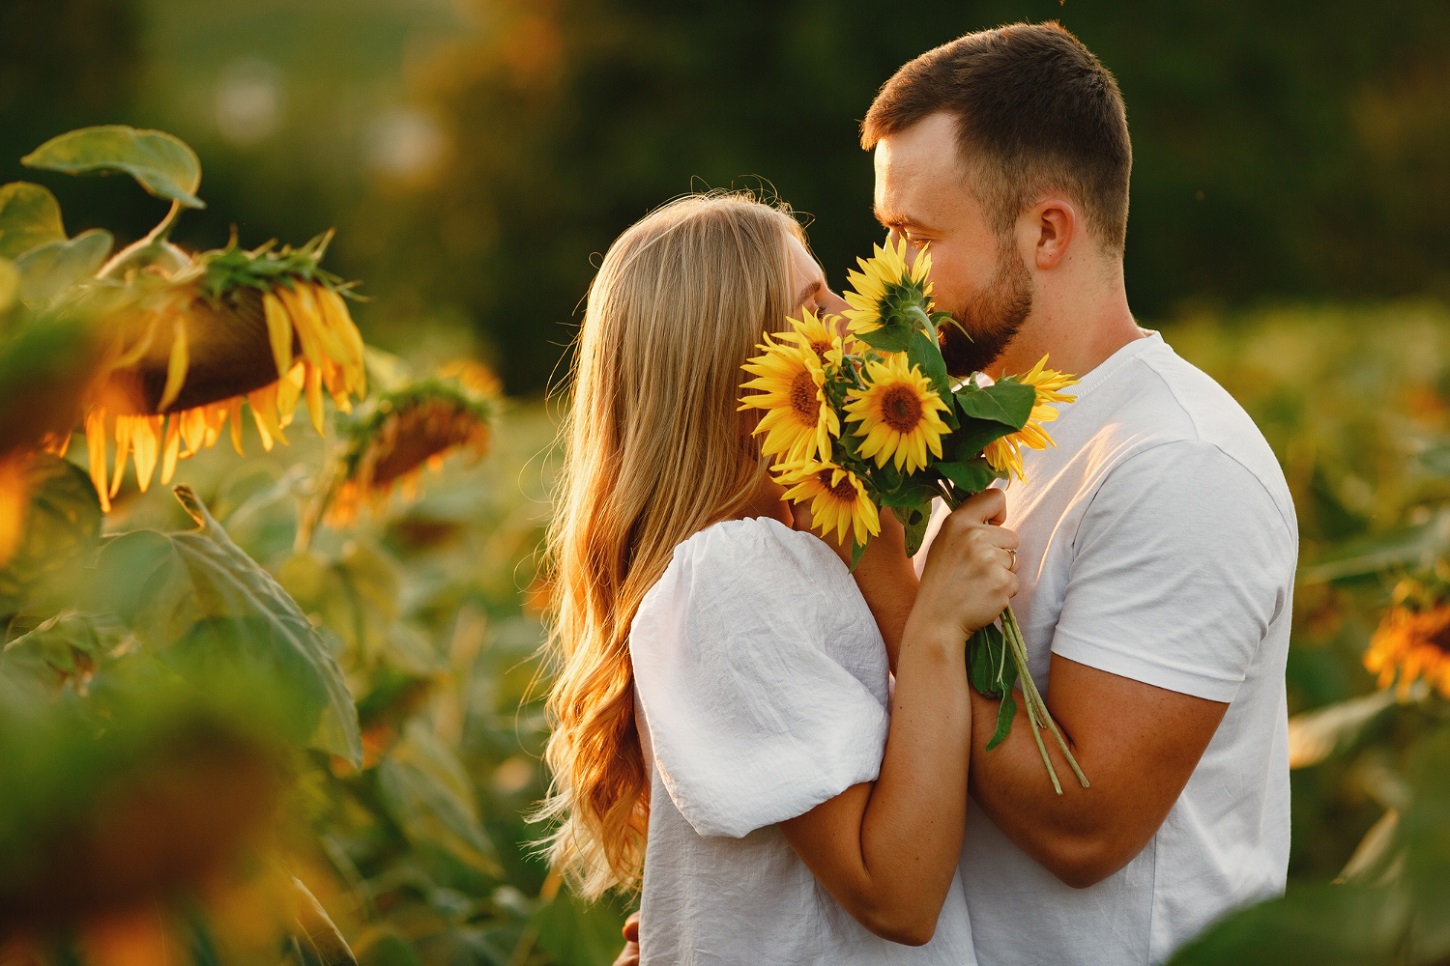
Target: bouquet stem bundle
(861, 417)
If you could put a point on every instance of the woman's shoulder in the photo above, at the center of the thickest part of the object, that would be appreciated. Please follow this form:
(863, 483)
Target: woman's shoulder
(756, 550)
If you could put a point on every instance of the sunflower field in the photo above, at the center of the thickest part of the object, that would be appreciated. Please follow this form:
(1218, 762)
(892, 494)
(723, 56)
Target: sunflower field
(271, 600)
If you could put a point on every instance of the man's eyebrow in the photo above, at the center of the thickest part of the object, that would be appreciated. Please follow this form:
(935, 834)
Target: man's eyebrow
(808, 291)
(891, 219)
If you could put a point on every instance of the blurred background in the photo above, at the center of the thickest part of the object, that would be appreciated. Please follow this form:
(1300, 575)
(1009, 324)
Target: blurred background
(475, 158)
(475, 154)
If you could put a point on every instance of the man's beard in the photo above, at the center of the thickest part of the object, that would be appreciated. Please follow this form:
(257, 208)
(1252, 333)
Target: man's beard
(992, 316)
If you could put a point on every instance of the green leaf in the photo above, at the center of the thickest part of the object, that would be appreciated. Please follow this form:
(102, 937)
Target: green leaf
(1007, 403)
(1006, 714)
(1411, 548)
(355, 595)
(888, 338)
(317, 930)
(971, 477)
(922, 351)
(163, 164)
(1377, 853)
(967, 442)
(988, 668)
(64, 648)
(1337, 729)
(576, 934)
(9, 286)
(62, 523)
(427, 792)
(910, 493)
(1424, 834)
(915, 519)
(1328, 925)
(215, 611)
(29, 216)
(50, 271)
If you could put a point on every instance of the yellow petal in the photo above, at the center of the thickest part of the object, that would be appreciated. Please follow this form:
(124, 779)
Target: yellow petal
(96, 451)
(14, 502)
(264, 413)
(289, 390)
(234, 410)
(145, 437)
(279, 332)
(314, 398)
(193, 431)
(123, 447)
(334, 309)
(171, 449)
(176, 365)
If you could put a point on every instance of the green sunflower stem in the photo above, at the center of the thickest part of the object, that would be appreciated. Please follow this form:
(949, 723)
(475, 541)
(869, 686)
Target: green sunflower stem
(920, 315)
(1038, 716)
(1036, 706)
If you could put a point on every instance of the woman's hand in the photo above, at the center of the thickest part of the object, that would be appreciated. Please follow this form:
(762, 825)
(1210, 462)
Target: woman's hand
(969, 575)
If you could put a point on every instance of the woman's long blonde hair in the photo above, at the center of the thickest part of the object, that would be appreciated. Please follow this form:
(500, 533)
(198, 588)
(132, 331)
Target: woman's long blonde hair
(655, 450)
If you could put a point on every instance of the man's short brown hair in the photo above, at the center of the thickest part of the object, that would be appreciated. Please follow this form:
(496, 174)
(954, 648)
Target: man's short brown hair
(1036, 112)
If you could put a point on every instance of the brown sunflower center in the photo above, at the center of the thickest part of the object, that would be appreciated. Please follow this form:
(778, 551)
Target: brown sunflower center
(820, 347)
(900, 408)
(844, 490)
(803, 401)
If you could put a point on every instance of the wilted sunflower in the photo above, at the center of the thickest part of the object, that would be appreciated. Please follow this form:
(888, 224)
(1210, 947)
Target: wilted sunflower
(268, 327)
(886, 286)
(838, 499)
(899, 414)
(1005, 454)
(408, 429)
(1413, 639)
(798, 423)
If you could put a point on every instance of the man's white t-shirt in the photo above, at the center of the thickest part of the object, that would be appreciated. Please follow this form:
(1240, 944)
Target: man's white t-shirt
(762, 692)
(1158, 542)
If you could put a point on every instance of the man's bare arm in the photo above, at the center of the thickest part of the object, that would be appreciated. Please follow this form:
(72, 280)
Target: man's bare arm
(1138, 745)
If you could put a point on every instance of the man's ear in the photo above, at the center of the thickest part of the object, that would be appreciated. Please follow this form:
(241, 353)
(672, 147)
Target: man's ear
(1055, 226)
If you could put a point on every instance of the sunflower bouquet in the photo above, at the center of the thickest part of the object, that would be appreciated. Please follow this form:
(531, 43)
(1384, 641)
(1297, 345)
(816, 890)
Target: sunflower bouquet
(862, 418)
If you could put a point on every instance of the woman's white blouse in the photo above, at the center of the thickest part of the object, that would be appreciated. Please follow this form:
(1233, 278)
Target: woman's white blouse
(762, 692)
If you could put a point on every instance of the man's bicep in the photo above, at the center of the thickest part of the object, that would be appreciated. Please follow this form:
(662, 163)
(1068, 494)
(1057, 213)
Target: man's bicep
(1138, 744)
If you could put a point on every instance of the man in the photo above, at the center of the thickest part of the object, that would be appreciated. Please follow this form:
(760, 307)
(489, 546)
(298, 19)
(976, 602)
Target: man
(1158, 541)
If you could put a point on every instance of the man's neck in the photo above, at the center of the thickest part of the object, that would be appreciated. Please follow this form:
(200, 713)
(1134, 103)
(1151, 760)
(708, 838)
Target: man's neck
(1076, 326)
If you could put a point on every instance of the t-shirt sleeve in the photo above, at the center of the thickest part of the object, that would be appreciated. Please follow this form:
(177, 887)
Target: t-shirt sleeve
(1182, 562)
(750, 719)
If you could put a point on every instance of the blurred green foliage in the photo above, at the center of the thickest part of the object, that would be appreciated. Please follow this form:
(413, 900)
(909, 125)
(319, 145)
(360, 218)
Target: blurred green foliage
(474, 153)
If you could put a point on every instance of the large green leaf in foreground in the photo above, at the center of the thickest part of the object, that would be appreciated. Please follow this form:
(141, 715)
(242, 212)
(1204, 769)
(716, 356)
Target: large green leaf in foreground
(163, 164)
(210, 610)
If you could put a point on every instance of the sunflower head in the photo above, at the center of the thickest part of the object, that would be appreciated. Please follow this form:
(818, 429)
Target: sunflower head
(838, 498)
(1005, 454)
(887, 288)
(1412, 641)
(898, 414)
(820, 335)
(790, 386)
(412, 428)
(264, 327)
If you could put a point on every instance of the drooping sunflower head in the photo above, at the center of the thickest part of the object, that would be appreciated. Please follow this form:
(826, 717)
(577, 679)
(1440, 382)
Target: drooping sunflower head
(798, 421)
(265, 327)
(839, 501)
(407, 430)
(1412, 641)
(1005, 454)
(898, 413)
(886, 286)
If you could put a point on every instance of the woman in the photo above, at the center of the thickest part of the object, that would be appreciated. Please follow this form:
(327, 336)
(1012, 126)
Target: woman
(720, 706)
